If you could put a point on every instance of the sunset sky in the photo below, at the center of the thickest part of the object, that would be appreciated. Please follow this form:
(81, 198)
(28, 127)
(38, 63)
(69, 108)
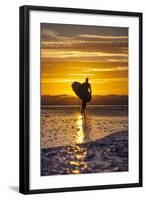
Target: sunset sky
(73, 52)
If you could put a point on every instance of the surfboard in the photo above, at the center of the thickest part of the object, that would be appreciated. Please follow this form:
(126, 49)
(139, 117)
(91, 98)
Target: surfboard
(81, 91)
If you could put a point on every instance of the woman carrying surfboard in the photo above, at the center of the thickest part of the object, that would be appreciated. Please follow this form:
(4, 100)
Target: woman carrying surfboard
(83, 91)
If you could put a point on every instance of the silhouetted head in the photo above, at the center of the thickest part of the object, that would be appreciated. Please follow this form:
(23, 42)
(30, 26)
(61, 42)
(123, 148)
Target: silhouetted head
(87, 80)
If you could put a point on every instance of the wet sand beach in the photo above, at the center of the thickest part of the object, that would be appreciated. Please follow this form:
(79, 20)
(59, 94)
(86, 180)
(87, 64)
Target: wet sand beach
(73, 144)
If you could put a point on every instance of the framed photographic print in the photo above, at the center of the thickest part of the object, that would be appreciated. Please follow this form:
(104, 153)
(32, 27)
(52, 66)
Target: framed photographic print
(80, 99)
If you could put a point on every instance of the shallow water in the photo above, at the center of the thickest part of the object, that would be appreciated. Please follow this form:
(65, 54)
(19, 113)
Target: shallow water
(66, 126)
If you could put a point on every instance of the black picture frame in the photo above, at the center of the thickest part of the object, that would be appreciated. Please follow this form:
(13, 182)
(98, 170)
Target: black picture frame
(25, 104)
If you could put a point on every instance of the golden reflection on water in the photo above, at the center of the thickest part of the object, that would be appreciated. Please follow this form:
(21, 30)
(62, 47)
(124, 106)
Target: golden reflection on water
(79, 164)
(80, 138)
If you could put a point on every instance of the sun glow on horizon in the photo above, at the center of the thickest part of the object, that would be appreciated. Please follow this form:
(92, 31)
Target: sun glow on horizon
(99, 53)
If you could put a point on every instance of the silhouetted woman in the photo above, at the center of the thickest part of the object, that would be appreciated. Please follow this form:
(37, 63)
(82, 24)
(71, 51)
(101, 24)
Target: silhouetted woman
(86, 87)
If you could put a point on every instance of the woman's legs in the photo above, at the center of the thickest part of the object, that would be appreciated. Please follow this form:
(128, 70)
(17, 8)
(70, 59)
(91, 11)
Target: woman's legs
(83, 105)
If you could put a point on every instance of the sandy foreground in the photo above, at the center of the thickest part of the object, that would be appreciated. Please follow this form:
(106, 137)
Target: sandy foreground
(67, 127)
(107, 154)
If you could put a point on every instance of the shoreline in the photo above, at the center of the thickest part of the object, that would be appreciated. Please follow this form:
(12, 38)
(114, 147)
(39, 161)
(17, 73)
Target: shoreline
(107, 154)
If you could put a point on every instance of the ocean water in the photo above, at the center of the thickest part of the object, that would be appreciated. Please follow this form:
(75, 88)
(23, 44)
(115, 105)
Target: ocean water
(66, 126)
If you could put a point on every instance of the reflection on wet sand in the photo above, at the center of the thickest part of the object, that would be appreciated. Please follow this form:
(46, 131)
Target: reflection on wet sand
(79, 153)
(83, 128)
(78, 164)
(80, 123)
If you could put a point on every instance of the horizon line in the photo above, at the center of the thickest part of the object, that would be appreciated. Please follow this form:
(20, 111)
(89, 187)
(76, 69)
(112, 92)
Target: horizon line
(92, 95)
